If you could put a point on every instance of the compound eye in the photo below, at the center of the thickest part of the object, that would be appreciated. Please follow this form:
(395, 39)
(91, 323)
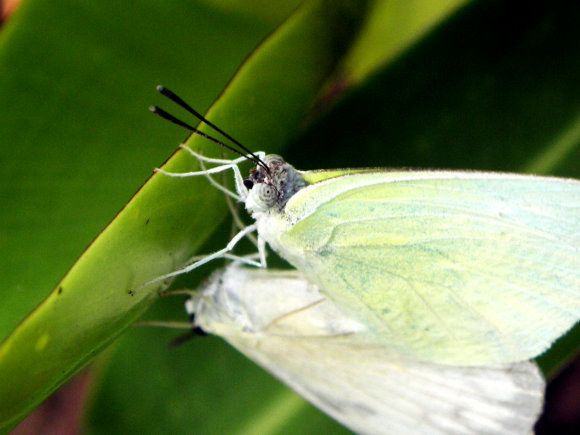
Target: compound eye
(248, 183)
(267, 194)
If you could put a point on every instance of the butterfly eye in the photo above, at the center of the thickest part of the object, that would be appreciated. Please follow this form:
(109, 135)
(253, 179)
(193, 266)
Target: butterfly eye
(267, 194)
(248, 183)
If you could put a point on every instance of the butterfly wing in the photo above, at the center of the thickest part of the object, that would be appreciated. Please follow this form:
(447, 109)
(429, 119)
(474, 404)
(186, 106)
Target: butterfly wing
(281, 321)
(370, 391)
(450, 267)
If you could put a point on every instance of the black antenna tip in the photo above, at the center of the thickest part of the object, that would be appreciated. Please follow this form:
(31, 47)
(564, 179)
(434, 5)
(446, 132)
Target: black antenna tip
(177, 100)
(171, 95)
(161, 113)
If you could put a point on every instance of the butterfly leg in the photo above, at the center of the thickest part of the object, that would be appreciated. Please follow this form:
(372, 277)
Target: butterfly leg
(233, 164)
(217, 185)
(262, 252)
(206, 259)
(236, 161)
(214, 170)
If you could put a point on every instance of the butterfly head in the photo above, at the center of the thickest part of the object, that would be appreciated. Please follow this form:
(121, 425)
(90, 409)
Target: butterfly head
(271, 190)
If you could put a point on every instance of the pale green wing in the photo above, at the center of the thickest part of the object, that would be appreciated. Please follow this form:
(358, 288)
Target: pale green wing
(282, 322)
(451, 267)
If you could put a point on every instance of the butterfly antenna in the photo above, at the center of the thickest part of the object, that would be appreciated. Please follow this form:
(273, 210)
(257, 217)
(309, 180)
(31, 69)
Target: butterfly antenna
(163, 114)
(180, 102)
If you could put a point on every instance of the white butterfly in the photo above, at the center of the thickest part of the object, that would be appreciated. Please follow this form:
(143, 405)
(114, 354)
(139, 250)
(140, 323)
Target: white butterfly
(453, 267)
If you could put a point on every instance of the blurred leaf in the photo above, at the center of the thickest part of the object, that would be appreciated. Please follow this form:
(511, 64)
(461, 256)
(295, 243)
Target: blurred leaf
(265, 9)
(391, 28)
(494, 88)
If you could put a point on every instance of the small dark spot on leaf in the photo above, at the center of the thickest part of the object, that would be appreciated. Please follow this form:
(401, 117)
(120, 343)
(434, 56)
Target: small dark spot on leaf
(147, 221)
(60, 290)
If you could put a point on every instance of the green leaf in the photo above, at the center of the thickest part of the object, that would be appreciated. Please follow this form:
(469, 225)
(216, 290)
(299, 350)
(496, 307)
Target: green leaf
(165, 223)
